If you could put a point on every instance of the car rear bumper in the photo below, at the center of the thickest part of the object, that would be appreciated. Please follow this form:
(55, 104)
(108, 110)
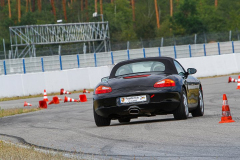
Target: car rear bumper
(157, 103)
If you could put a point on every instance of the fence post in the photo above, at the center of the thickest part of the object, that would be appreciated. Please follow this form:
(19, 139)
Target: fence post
(144, 54)
(190, 51)
(78, 61)
(112, 58)
(42, 65)
(128, 54)
(219, 52)
(60, 60)
(95, 59)
(175, 52)
(24, 69)
(230, 35)
(4, 49)
(204, 47)
(162, 42)
(4, 65)
(159, 51)
(232, 46)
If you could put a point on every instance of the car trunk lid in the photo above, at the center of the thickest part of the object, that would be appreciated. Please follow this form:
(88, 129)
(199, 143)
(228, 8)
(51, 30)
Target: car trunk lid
(135, 82)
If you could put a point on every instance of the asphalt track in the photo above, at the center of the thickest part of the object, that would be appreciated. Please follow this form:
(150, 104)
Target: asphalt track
(70, 128)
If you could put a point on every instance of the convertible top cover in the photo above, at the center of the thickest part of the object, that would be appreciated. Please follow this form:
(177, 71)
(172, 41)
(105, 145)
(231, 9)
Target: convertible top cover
(143, 65)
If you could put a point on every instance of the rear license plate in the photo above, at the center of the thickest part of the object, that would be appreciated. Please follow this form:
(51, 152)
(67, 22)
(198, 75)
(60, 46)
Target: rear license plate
(133, 99)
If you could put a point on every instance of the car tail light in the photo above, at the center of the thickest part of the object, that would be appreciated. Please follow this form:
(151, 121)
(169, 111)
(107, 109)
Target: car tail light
(165, 83)
(103, 89)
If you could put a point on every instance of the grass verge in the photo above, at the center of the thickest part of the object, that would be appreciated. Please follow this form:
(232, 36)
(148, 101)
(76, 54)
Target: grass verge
(10, 112)
(218, 76)
(11, 151)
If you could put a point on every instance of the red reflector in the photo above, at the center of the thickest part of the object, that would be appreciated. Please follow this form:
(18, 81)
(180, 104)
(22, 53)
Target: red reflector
(137, 76)
(103, 89)
(165, 83)
(152, 95)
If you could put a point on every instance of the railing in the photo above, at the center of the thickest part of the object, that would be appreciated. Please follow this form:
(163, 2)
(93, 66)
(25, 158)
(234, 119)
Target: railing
(51, 63)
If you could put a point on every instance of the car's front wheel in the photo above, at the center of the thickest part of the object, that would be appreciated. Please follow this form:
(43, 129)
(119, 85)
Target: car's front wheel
(199, 111)
(101, 121)
(124, 120)
(182, 111)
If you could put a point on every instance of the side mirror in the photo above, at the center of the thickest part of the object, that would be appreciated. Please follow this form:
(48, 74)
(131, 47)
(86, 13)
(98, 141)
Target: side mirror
(191, 70)
(104, 79)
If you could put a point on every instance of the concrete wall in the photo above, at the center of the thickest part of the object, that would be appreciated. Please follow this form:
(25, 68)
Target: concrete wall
(213, 65)
(76, 79)
(35, 83)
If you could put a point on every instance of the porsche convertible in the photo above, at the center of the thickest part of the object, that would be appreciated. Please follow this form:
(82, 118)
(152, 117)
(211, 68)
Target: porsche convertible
(147, 87)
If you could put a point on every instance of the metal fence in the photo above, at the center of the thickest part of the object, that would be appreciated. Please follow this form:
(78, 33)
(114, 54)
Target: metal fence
(82, 48)
(63, 62)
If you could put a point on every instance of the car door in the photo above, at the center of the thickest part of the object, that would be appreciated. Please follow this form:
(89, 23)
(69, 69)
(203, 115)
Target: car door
(190, 83)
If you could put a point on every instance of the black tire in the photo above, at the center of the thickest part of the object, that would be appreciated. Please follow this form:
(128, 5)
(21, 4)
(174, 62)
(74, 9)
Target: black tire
(101, 121)
(182, 111)
(199, 111)
(124, 120)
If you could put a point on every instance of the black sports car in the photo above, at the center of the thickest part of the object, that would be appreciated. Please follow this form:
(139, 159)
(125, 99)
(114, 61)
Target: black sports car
(147, 87)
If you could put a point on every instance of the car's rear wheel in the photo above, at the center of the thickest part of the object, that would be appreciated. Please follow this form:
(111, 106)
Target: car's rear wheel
(124, 120)
(199, 111)
(182, 111)
(101, 121)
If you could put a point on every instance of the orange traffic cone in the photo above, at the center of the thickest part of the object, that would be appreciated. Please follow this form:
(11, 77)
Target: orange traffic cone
(226, 114)
(43, 104)
(238, 85)
(26, 104)
(59, 99)
(230, 79)
(68, 99)
(85, 91)
(52, 102)
(83, 98)
(55, 100)
(45, 98)
(62, 91)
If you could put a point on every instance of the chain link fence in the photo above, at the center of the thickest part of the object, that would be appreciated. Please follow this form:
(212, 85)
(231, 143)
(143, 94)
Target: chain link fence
(63, 62)
(81, 48)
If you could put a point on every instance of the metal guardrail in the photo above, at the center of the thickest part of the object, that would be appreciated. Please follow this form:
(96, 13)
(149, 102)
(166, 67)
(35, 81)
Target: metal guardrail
(52, 63)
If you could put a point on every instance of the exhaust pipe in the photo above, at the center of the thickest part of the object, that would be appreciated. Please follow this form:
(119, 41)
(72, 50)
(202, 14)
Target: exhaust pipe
(134, 110)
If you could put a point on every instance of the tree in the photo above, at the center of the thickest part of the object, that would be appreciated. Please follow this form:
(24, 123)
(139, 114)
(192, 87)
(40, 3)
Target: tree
(145, 24)
(187, 19)
(64, 9)
(53, 9)
(212, 18)
(28, 19)
(119, 16)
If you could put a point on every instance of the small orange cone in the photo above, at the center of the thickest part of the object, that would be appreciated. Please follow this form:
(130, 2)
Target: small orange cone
(62, 91)
(83, 98)
(68, 99)
(52, 102)
(45, 98)
(56, 100)
(230, 79)
(59, 99)
(238, 85)
(43, 104)
(85, 91)
(226, 114)
(26, 104)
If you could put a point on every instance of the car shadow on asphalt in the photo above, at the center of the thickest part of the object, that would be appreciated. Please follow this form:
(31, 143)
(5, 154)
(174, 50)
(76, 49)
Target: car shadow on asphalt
(147, 121)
